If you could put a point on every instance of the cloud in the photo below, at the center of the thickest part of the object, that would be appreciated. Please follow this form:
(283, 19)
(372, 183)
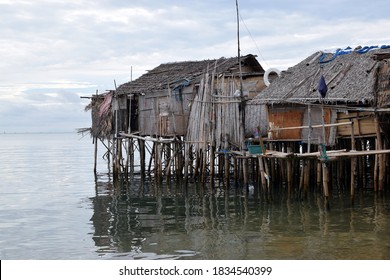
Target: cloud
(53, 51)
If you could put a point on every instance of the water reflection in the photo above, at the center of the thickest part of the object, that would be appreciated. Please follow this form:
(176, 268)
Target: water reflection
(172, 222)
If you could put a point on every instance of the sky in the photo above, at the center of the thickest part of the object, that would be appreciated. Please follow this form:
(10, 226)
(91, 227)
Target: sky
(52, 52)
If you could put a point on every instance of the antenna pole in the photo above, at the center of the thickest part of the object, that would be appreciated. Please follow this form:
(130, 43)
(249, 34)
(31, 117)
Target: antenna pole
(238, 47)
(242, 103)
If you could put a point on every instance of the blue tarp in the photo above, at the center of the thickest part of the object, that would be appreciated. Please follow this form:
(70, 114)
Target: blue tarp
(349, 50)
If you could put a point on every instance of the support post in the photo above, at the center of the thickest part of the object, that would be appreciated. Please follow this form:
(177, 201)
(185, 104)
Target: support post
(353, 163)
(95, 154)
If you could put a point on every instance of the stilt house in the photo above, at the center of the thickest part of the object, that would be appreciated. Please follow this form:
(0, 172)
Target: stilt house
(159, 102)
(355, 99)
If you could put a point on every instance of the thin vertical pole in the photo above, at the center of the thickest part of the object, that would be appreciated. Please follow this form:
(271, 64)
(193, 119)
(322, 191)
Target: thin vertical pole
(353, 163)
(379, 146)
(95, 154)
(289, 171)
(242, 103)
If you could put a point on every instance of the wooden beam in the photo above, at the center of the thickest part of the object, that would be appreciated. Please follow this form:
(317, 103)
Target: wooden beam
(312, 126)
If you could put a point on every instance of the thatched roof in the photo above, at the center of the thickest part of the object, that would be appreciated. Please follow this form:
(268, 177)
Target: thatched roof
(175, 73)
(350, 77)
(101, 115)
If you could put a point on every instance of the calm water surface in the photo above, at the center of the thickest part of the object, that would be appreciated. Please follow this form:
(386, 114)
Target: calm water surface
(53, 207)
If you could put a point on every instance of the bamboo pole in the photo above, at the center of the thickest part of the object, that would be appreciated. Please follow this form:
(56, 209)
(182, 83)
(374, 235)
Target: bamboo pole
(267, 177)
(109, 155)
(212, 162)
(302, 175)
(245, 171)
(381, 170)
(148, 138)
(289, 171)
(353, 163)
(235, 173)
(325, 171)
(158, 162)
(226, 147)
(141, 147)
(325, 180)
(152, 156)
(169, 160)
(179, 156)
(306, 164)
(306, 178)
(186, 161)
(132, 151)
(95, 154)
(204, 165)
(197, 163)
(311, 126)
(363, 161)
(263, 180)
(319, 174)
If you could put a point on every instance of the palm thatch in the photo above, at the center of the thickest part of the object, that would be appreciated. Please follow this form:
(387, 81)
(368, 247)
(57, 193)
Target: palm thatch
(101, 113)
(172, 74)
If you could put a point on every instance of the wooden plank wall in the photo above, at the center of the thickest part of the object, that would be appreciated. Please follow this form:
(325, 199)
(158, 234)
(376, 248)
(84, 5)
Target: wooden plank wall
(164, 113)
(364, 124)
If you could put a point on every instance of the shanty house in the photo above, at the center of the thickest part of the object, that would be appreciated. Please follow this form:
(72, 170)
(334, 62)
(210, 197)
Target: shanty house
(161, 99)
(326, 90)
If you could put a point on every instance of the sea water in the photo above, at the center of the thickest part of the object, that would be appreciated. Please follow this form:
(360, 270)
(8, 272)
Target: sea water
(53, 206)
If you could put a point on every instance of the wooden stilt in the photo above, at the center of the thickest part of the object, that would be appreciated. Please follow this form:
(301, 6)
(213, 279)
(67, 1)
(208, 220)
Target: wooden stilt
(158, 162)
(353, 163)
(289, 172)
(170, 163)
(235, 175)
(212, 162)
(95, 139)
(325, 173)
(142, 154)
(186, 162)
(204, 165)
(197, 163)
(109, 150)
(306, 178)
(381, 169)
(301, 176)
(273, 164)
(363, 165)
(226, 148)
(152, 157)
(376, 164)
(118, 157)
(178, 159)
(131, 151)
(263, 179)
(325, 179)
(245, 171)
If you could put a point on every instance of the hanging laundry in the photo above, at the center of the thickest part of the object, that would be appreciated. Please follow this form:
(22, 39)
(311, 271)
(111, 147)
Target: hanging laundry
(322, 87)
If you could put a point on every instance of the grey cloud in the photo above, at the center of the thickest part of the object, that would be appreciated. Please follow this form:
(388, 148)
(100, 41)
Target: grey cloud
(88, 44)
